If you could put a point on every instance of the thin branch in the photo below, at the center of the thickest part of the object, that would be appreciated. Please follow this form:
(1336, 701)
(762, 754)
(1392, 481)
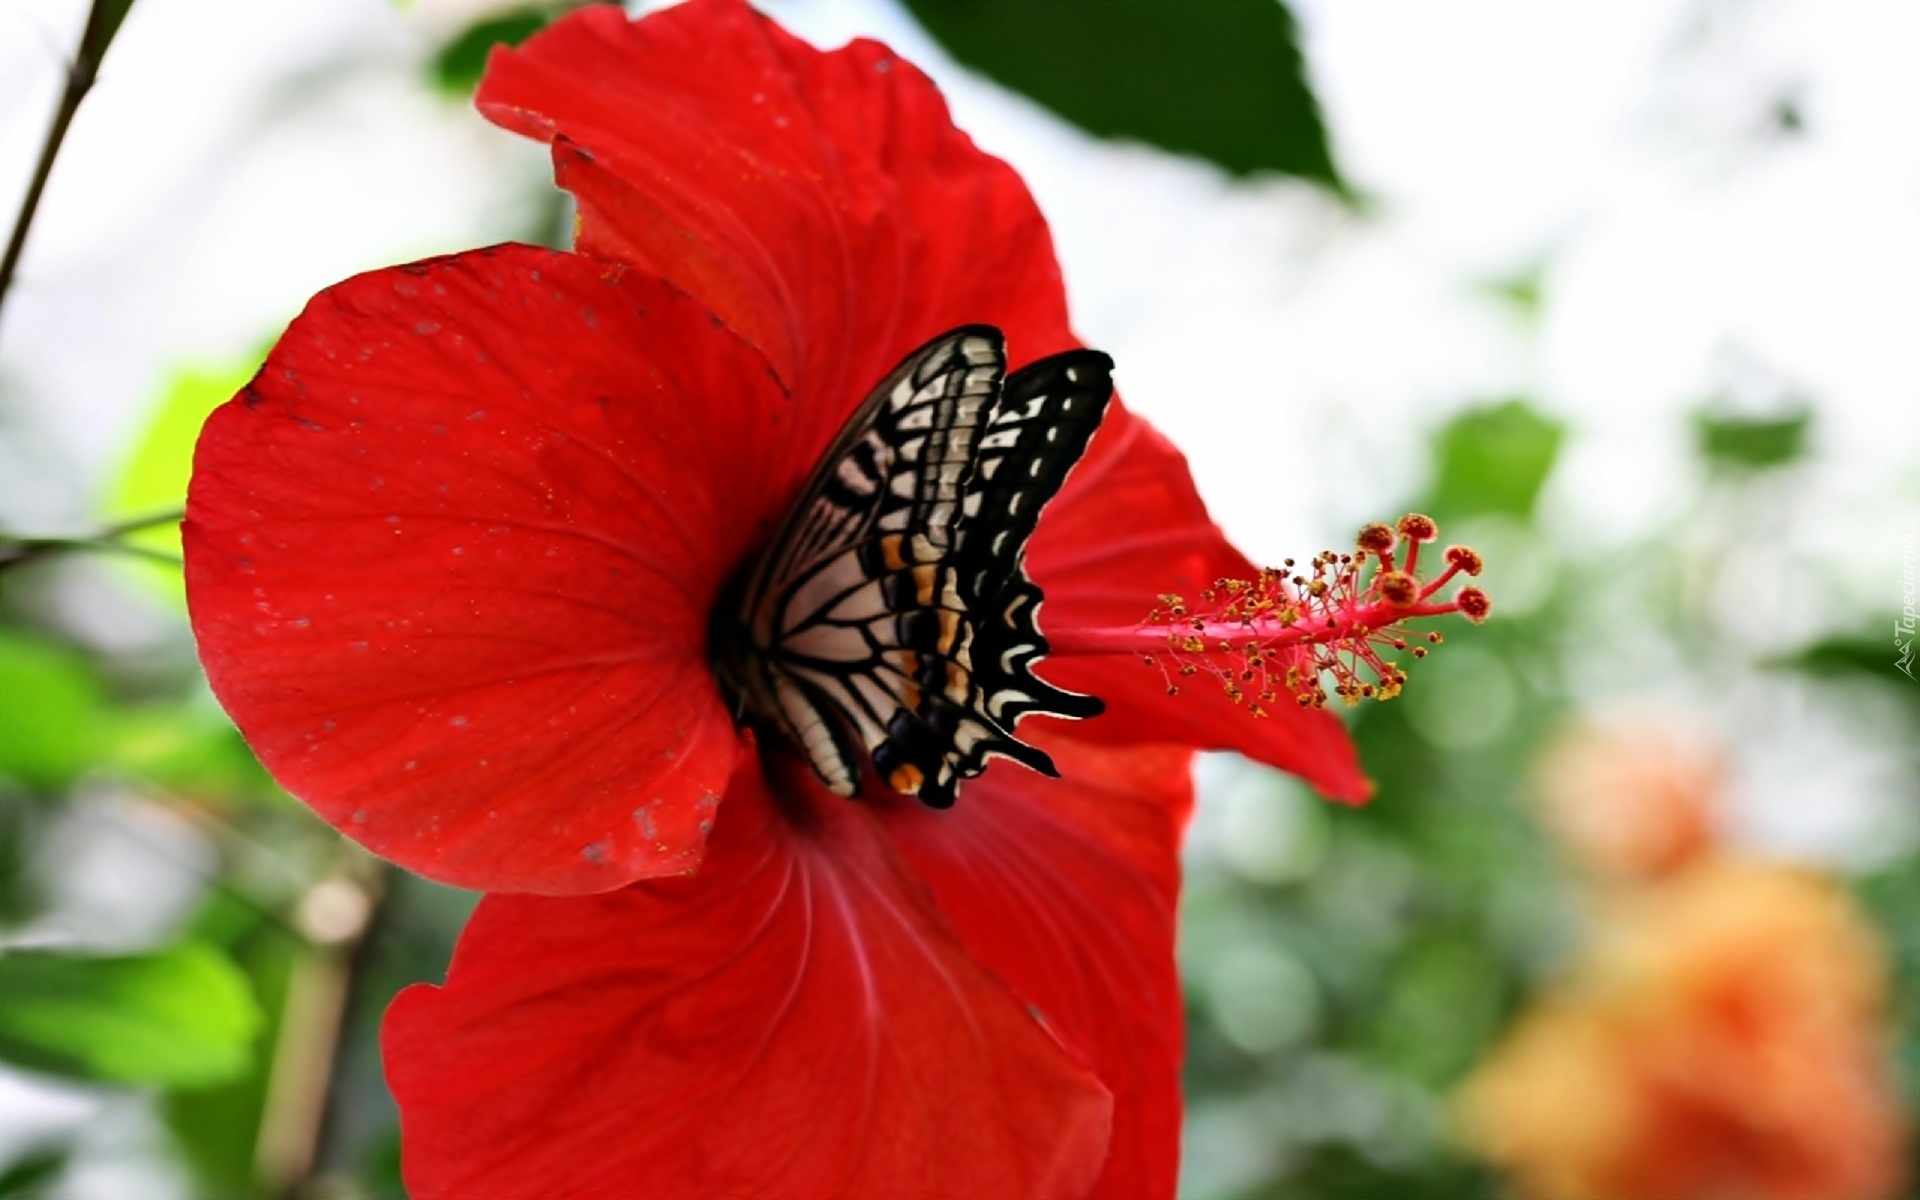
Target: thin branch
(339, 916)
(110, 540)
(103, 21)
(120, 529)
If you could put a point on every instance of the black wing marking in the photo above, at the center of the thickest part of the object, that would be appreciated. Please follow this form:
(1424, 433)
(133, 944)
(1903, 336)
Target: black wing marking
(1048, 413)
(893, 613)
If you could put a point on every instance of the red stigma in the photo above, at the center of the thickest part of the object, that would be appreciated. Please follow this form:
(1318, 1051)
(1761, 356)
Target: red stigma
(1397, 588)
(1375, 538)
(1474, 605)
(1302, 634)
(1463, 559)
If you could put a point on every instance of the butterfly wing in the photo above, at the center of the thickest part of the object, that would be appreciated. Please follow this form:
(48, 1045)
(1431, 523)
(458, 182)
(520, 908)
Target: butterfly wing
(892, 620)
(1048, 413)
(863, 542)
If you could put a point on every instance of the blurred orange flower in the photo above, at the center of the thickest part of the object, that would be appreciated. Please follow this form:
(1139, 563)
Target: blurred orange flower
(1631, 800)
(1722, 1039)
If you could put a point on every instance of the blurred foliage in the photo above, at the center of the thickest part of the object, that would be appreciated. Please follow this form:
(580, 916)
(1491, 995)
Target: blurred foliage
(1414, 929)
(189, 748)
(1493, 461)
(457, 65)
(180, 1016)
(218, 1128)
(1752, 443)
(1222, 79)
(32, 1174)
(1428, 911)
(153, 479)
(50, 726)
(64, 722)
(1847, 658)
(1891, 895)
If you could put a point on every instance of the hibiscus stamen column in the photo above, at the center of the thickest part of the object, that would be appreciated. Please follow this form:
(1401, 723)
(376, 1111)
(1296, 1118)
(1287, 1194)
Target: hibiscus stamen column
(1290, 628)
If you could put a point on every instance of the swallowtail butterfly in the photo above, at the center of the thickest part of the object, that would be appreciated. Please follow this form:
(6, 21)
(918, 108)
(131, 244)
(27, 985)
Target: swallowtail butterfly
(891, 620)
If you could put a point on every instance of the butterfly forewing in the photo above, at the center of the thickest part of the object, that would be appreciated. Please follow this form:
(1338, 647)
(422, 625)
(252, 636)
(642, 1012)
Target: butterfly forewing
(891, 620)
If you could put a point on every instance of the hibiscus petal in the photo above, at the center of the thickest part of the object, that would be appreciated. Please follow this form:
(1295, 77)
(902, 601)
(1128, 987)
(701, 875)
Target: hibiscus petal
(822, 203)
(1128, 526)
(1066, 889)
(825, 206)
(795, 1020)
(450, 558)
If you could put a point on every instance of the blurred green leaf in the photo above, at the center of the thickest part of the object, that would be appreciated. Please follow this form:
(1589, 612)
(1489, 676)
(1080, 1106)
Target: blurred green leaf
(1752, 443)
(1847, 656)
(19, 830)
(1439, 1008)
(1891, 896)
(34, 1172)
(1867, 656)
(1493, 461)
(1342, 1173)
(190, 749)
(1222, 79)
(154, 479)
(457, 67)
(380, 1164)
(217, 1128)
(50, 717)
(181, 1016)
(1523, 289)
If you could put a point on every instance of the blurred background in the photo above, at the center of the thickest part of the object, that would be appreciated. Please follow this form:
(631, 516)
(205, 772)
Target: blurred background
(1625, 295)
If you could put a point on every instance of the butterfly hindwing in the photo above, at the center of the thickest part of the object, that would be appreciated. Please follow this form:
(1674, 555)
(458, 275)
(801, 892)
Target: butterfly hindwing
(1048, 413)
(891, 619)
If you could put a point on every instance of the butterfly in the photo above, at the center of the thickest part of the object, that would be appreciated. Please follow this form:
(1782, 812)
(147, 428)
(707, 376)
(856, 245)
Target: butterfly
(890, 620)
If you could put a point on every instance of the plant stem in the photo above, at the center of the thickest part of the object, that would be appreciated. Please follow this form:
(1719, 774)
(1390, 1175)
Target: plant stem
(318, 1007)
(103, 21)
(14, 551)
(120, 529)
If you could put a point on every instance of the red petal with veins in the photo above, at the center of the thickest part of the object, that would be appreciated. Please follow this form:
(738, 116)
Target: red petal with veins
(450, 558)
(826, 207)
(794, 1021)
(1127, 527)
(1066, 889)
(822, 203)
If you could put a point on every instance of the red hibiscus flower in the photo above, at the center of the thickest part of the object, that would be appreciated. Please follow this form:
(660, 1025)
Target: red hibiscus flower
(455, 557)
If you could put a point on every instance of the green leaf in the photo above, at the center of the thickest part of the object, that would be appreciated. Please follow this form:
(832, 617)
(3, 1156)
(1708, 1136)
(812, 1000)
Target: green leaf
(1752, 443)
(1493, 461)
(51, 715)
(1849, 657)
(191, 749)
(34, 1172)
(456, 69)
(154, 478)
(180, 1017)
(1222, 79)
(216, 1129)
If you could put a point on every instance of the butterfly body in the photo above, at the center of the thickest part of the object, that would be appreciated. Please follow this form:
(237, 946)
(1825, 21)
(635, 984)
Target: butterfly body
(890, 622)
